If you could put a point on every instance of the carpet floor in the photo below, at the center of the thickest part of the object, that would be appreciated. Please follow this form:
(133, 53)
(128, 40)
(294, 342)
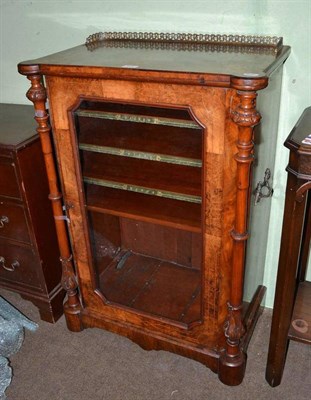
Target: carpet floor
(56, 364)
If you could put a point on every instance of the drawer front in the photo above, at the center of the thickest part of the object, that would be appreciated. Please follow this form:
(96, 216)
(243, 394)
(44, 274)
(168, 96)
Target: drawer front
(18, 264)
(8, 178)
(13, 223)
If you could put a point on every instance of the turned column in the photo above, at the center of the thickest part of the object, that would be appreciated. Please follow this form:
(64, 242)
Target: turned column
(37, 94)
(232, 361)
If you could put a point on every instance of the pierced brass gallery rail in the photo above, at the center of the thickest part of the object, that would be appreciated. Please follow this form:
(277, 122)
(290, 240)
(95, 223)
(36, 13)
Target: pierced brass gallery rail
(186, 41)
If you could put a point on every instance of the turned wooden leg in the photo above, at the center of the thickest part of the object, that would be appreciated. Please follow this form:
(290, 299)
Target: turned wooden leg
(232, 361)
(286, 282)
(37, 94)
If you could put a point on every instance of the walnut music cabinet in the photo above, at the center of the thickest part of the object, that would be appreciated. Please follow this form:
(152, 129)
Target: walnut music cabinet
(29, 260)
(154, 142)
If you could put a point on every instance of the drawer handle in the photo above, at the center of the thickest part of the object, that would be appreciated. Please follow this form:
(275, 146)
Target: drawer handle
(3, 220)
(14, 265)
(263, 189)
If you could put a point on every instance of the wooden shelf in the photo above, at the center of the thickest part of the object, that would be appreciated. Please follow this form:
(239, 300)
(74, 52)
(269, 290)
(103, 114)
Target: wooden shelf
(138, 118)
(173, 141)
(128, 173)
(153, 286)
(140, 109)
(162, 211)
(300, 328)
(141, 155)
(142, 189)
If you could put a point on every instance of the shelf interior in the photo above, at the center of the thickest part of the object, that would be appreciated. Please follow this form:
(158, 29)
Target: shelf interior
(175, 141)
(159, 210)
(136, 109)
(151, 268)
(142, 155)
(153, 286)
(141, 168)
(130, 173)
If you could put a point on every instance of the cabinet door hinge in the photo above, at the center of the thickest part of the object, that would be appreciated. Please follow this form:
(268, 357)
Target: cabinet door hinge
(67, 206)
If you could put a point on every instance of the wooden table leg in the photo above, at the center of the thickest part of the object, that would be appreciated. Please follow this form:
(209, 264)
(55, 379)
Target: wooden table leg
(286, 281)
(305, 242)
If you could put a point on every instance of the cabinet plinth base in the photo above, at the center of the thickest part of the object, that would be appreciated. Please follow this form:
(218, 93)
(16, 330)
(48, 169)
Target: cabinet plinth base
(229, 369)
(150, 340)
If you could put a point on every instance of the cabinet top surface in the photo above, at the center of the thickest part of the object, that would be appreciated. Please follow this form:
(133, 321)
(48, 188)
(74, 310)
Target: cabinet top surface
(17, 124)
(192, 56)
(300, 136)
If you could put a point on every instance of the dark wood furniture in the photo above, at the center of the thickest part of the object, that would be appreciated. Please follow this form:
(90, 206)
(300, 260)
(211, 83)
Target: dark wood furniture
(292, 304)
(154, 140)
(29, 260)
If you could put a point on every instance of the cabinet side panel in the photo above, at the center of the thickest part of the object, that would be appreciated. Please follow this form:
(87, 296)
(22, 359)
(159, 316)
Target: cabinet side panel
(268, 104)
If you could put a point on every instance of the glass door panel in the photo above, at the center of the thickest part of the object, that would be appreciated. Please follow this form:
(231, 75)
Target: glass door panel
(142, 177)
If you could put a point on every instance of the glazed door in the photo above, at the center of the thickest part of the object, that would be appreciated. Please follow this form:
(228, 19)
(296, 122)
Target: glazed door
(142, 185)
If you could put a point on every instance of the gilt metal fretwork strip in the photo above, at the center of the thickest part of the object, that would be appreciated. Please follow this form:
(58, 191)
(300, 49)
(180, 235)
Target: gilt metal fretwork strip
(186, 41)
(139, 119)
(143, 155)
(143, 190)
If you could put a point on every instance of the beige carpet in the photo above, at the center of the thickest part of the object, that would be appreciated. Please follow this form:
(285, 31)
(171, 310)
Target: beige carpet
(54, 363)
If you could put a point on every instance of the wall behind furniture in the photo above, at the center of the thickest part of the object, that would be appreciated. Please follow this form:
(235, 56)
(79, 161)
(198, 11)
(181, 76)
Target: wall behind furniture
(31, 29)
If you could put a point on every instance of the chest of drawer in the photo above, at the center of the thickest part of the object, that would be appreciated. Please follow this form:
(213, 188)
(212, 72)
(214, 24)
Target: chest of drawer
(29, 254)
(18, 264)
(13, 223)
(8, 178)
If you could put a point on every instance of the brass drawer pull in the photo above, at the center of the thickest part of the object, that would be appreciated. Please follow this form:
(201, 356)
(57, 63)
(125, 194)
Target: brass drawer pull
(14, 265)
(3, 220)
